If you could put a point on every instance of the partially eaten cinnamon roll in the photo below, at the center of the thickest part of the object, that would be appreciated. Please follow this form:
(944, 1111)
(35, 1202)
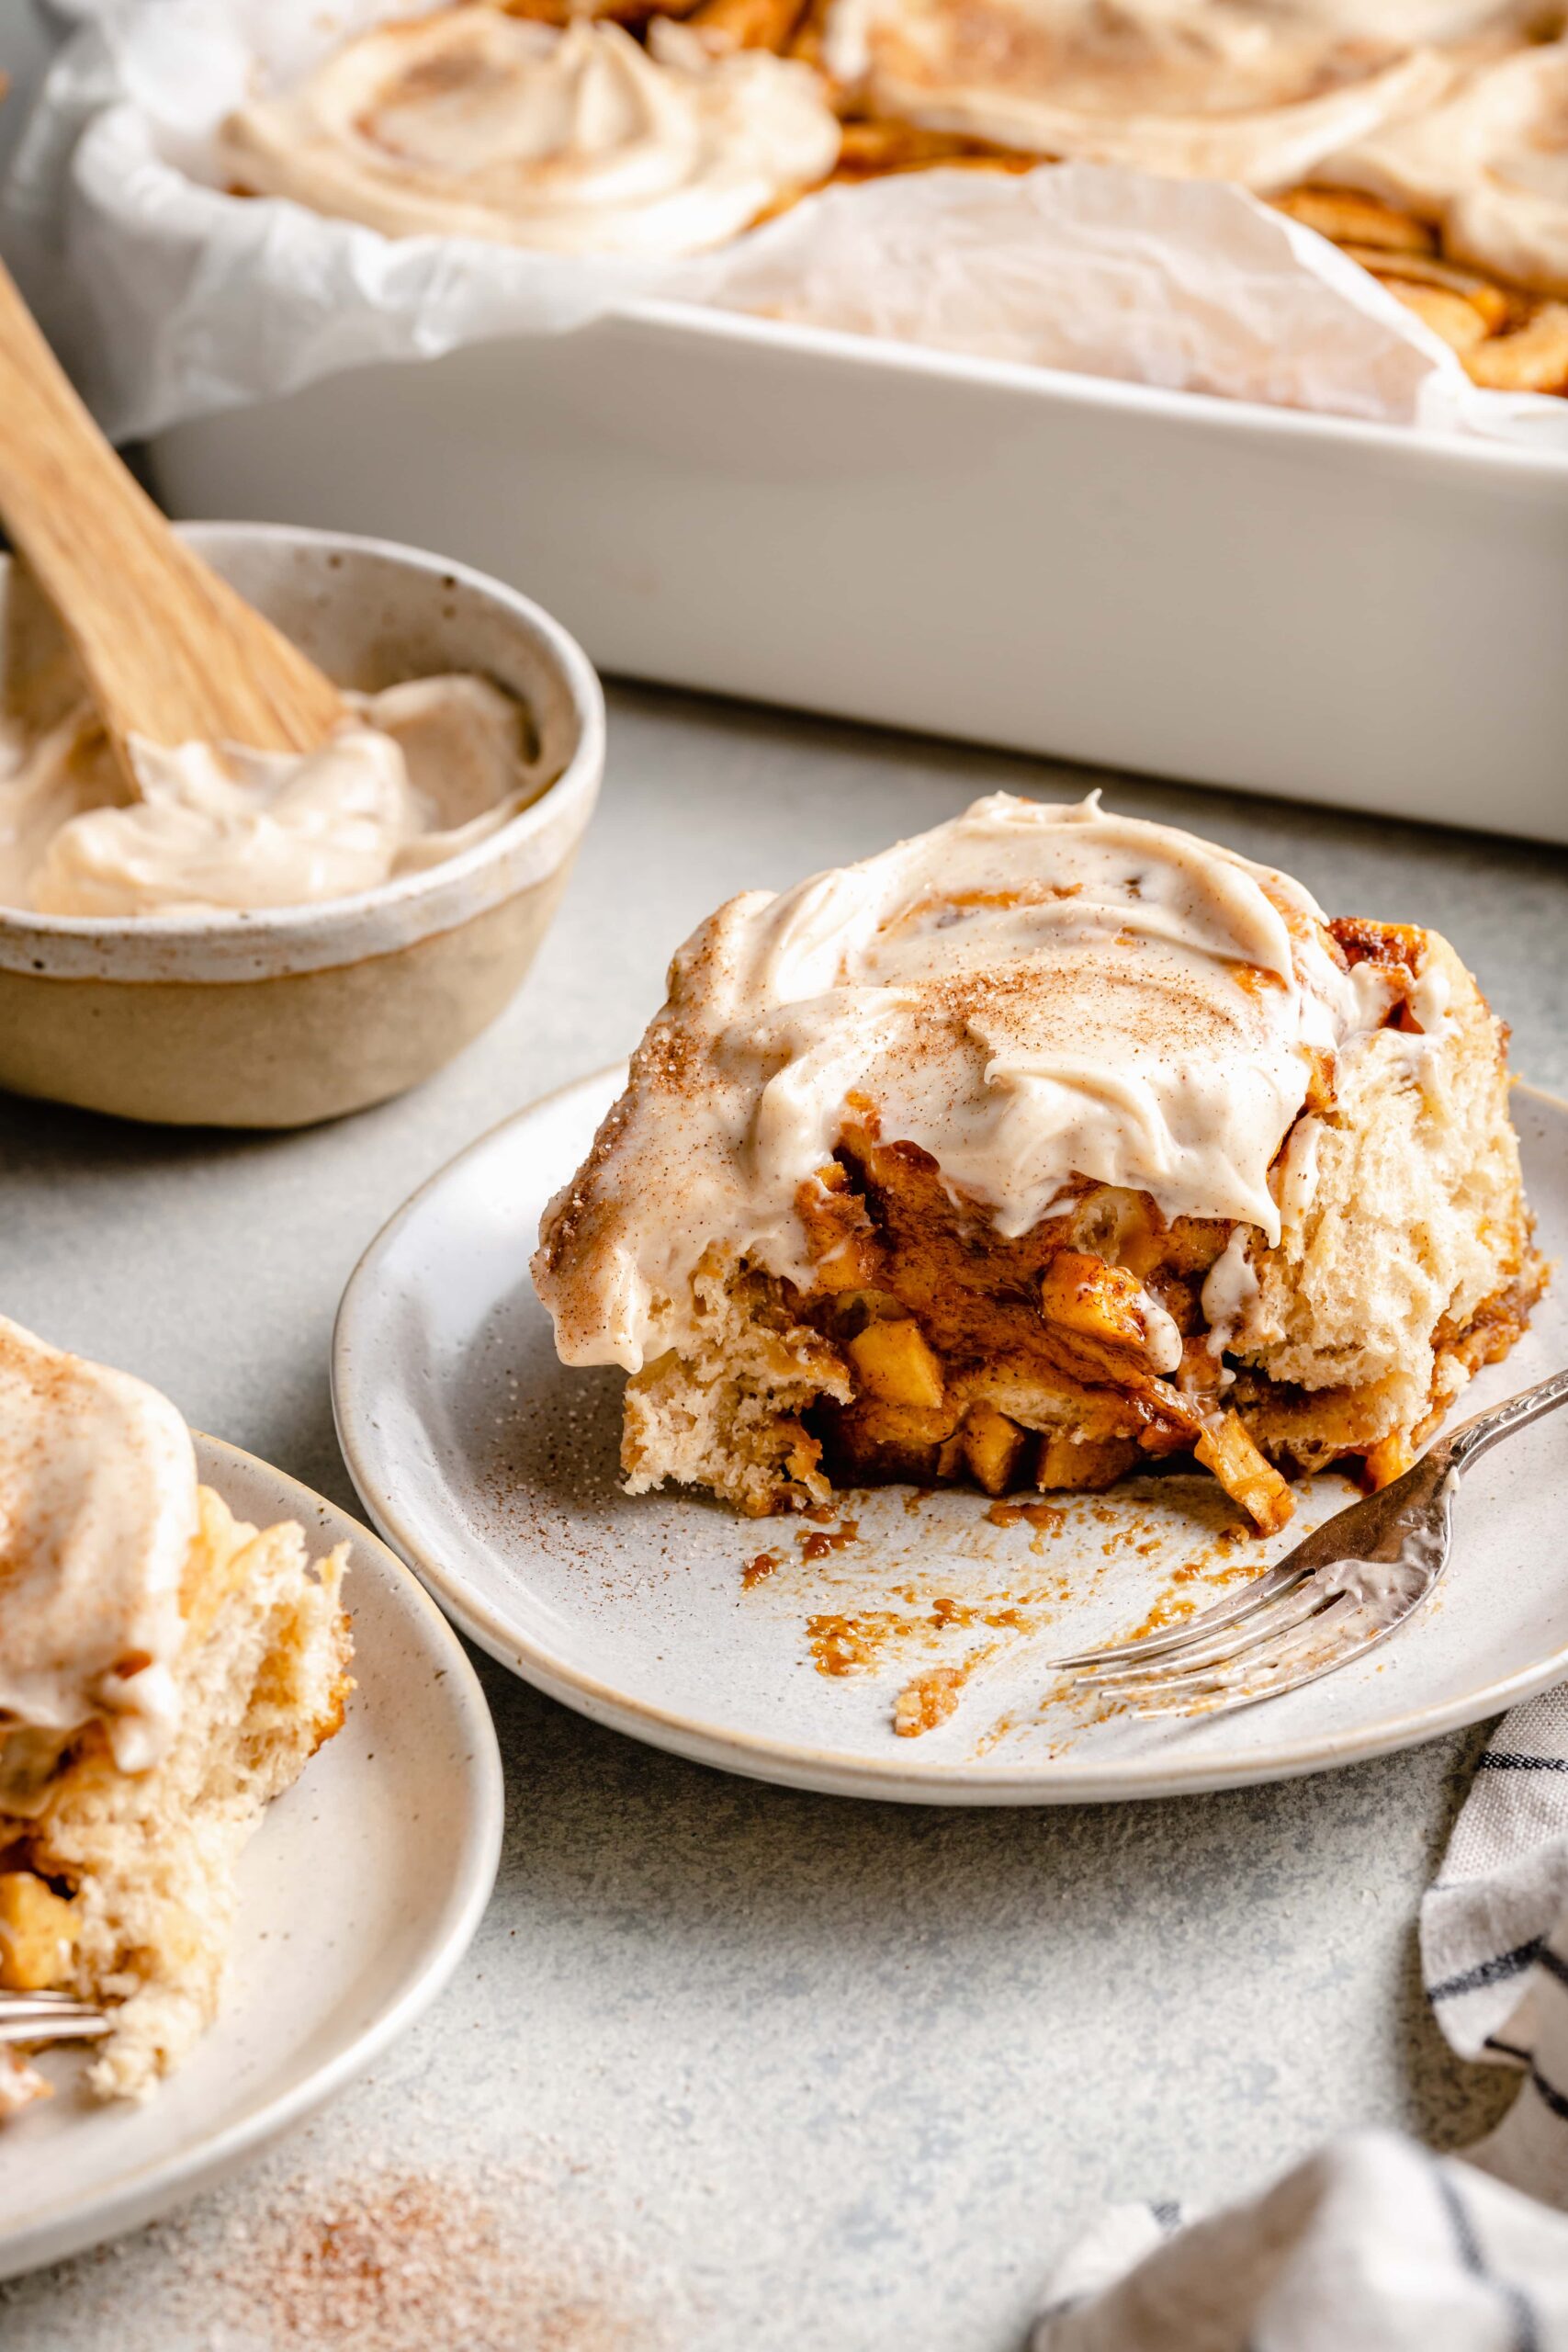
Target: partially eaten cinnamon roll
(165, 1670)
(1038, 1148)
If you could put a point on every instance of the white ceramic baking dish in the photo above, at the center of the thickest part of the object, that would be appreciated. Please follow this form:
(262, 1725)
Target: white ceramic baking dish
(1239, 595)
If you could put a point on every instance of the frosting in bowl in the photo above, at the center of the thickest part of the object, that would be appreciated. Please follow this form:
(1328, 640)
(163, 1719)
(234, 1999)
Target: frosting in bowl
(426, 769)
(97, 1514)
(1490, 166)
(471, 123)
(1032, 994)
(1211, 89)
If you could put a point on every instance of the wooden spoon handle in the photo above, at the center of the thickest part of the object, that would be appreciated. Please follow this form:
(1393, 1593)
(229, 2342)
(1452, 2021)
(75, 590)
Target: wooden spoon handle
(169, 650)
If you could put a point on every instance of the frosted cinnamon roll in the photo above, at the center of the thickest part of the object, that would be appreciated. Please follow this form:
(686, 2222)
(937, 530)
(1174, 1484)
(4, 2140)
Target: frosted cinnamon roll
(1488, 167)
(164, 1671)
(1039, 1148)
(476, 124)
(1213, 89)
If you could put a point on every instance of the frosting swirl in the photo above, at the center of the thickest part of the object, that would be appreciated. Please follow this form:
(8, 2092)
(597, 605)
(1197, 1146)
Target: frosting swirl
(431, 767)
(1032, 993)
(97, 1513)
(1191, 88)
(1490, 166)
(471, 123)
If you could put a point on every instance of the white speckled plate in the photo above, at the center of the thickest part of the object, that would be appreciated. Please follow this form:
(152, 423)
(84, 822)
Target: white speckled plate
(359, 1896)
(493, 1470)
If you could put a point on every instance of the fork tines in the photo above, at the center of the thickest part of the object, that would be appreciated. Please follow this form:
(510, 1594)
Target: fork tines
(48, 2017)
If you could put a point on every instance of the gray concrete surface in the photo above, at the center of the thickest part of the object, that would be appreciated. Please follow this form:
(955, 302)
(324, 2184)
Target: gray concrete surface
(820, 2074)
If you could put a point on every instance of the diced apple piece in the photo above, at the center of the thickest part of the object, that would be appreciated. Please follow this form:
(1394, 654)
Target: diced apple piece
(38, 1934)
(1086, 1297)
(1225, 1448)
(1389, 1460)
(992, 1445)
(1068, 1464)
(838, 1230)
(893, 1363)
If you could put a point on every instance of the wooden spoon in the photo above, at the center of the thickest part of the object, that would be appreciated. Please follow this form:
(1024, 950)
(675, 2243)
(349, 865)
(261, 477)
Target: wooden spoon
(169, 650)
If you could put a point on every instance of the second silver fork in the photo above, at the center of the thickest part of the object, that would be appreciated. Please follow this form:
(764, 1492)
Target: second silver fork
(1344, 1589)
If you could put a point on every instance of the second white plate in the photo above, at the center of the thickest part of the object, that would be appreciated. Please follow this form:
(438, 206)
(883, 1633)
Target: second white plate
(777, 1647)
(358, 1898)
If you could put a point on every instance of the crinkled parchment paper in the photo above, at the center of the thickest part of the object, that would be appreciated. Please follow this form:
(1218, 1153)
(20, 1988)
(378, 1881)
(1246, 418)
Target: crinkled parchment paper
(1192, 284)
(170, 298)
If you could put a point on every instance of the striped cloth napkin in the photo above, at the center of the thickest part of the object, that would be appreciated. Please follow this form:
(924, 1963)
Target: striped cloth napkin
(1373, 2241)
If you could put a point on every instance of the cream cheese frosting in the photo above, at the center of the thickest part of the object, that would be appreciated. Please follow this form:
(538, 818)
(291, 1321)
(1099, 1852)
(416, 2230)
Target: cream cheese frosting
(424, 770)
(1032, 993)
(472, 123)
(1212, 89)
(1489, 166)
(97, 1514)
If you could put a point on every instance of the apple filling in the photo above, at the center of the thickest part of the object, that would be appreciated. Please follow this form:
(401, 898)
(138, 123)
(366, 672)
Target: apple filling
(1057, 1359)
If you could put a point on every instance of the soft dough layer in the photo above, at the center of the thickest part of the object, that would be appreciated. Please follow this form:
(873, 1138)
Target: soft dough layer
(1405, 1257)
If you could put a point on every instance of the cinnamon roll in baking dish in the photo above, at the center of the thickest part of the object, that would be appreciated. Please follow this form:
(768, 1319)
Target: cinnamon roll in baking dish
(476, 123)
(1198, 88)
(1038, 1147)
(1426, 138)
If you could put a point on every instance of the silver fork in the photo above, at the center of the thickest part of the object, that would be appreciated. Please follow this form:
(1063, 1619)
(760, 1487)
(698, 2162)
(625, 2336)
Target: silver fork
(48, 2017)
(1345, 1588)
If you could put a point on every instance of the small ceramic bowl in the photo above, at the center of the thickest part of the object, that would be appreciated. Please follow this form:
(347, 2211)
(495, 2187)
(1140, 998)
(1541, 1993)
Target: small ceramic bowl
(276, 1018)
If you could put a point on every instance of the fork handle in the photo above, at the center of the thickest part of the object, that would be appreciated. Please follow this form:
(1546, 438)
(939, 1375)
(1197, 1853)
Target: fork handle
(1471, 1438)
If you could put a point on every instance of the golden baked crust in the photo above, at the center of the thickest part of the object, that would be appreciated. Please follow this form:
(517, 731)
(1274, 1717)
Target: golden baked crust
(120, 1887)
